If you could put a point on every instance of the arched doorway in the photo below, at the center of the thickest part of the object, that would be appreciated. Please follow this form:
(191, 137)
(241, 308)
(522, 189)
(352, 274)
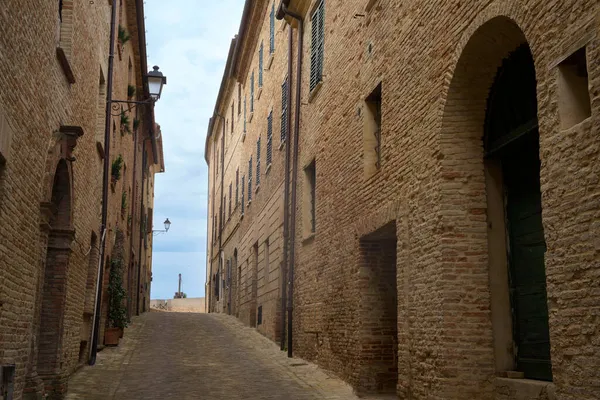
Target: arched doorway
(492, 235)
(511, 144)
(49, 360)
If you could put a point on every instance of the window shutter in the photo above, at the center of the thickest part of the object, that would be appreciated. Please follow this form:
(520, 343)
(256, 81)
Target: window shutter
(250, 179)
(258, 161)
(243, 190)
(284, 109)
(261, 52)
(272, 31)
(317, 45)
(270, 138)
(230, 197)
(245, 114)
(237, 186)
(252, 92)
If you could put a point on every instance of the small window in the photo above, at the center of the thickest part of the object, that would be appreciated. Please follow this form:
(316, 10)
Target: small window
(317, 48)
(258, 162)
(372, 132)
(259, 318)
(252, 92)
(310, 221)
(266, 271)
(261, 52)
(573, 90)
(239, 98)
(272, 30)
(284, 109)
(269, 139)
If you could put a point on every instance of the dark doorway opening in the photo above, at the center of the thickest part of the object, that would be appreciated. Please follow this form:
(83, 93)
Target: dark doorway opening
(378, 332)
(512, 145)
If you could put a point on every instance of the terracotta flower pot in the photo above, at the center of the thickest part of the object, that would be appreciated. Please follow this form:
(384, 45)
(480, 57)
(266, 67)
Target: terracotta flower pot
(111, 336)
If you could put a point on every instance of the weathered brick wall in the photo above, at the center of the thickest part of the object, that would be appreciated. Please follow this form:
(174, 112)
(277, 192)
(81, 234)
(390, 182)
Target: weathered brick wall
(436, 62)
(35, 101)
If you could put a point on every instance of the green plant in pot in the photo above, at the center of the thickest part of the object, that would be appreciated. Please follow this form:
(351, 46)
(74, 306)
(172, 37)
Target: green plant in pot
(115, 171)
(130, 91)
(117, 312)
(124, 123)
(123, 35)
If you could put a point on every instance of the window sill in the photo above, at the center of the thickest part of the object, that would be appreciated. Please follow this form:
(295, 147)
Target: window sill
(243, 137)
(64, 63)
(250, 116)
(268, 168)
(309, 238)
(270, 61)
(314, 92)
(258, 93)
(257, 189)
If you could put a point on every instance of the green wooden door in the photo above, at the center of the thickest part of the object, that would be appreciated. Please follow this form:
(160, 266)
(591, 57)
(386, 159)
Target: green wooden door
(526, 258)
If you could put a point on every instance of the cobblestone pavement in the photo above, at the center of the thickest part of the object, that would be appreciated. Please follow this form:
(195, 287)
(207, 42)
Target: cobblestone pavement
(200, 356)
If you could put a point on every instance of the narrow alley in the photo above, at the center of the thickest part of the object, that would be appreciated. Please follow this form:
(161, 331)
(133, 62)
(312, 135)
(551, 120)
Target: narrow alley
(200, 356)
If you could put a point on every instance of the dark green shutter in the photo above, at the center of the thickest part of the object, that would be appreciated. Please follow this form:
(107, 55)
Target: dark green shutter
(284, 109)
(270, 138)
(317, 45)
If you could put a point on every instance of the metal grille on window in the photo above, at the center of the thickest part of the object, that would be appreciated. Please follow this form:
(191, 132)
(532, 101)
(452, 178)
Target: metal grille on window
(317, 45)
(252, 92)
(270, 138)
(230, 197)
(237, 186)
(261, 52)
(272, 30)
(243, 187)
(258, 162)
(250, 179)
(284, 109)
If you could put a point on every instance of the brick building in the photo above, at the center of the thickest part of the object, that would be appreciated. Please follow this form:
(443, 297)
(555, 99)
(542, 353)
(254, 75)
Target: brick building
(54, 68)
(442, 222)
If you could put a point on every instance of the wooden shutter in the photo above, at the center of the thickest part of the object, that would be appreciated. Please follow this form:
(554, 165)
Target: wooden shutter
(317, 45)
(272, 30)
(250, 179)
(243, 191)
(258, 161)
(261, 52)
(270, 138)
(252, 92)
(284, 109)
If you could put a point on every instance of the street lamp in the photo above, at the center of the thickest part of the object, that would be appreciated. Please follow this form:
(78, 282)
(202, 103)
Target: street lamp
(167, 226)
(156, 82)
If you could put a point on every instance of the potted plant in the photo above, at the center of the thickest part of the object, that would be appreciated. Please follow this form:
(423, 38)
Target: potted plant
(130, 91)
(117, 313)
(124, 123)
(123, 37)
(115, 171)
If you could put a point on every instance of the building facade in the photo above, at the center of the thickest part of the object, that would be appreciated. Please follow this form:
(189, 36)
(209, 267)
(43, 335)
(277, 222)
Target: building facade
(52, 149)
(437, 228)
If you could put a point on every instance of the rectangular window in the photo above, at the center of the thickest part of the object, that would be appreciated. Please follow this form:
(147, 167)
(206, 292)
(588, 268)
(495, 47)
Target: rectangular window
(237, 186)
(267, 251)
(245, 120)
(230, 197)
(261, 51)
(272, 30)
(284, 109)
(259, 317)
(270, 138)
(573, 90)
(258, 162)
(243, 190)
(372, 132)
(250, 179)
(252, 92)
(310, 220)
(317, 45)
(239, 98)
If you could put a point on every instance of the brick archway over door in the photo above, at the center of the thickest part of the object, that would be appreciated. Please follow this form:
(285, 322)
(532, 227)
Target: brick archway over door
(49, 360)
(469, 262)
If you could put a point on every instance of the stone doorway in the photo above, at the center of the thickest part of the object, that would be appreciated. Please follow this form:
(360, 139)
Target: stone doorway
(378, 329)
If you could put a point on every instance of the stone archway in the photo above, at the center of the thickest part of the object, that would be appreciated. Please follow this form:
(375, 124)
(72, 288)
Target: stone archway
(474, 242)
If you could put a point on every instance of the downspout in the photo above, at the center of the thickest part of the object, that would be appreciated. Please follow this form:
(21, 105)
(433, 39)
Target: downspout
(222, 206)
(286, 195)
(105, 179)
(142, 233)
(294, 183)
(133, 200)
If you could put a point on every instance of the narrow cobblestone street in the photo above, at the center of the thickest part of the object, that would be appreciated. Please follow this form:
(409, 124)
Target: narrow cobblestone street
(200, 356)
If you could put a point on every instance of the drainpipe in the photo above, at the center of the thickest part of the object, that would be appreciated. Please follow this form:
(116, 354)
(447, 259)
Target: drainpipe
(222, 206)
(290, 304)
(142, 233)
(105, 179)
(133, 200)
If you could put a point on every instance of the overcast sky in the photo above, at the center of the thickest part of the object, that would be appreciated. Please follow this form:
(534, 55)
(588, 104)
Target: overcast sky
(189, 40)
